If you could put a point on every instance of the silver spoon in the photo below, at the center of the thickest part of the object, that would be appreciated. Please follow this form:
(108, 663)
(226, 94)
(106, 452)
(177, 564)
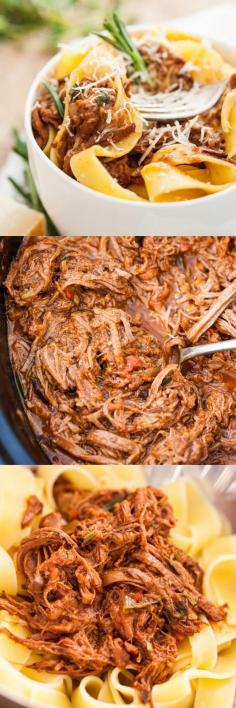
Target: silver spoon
(199, 349)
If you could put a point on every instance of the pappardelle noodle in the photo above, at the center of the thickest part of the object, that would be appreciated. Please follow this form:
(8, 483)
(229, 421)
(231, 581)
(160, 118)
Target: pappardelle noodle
(86, 120)
(166, 631)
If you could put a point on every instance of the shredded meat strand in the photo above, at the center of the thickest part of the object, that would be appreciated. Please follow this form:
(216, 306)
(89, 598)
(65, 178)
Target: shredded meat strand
(33, 507)
(93, 119)
(93, 325)
(104, 586)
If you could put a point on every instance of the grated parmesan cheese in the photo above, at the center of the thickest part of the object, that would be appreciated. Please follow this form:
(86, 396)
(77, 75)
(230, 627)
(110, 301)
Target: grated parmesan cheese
(188, 67)
(109, 117)
(180, 134)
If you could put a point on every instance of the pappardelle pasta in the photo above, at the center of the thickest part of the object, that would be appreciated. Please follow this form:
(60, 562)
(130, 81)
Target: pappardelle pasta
(86, 120)
(59, 502)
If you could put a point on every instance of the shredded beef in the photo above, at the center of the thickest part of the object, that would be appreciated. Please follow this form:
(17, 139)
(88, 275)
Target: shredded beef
(45, 113)
(205, 132)
(166, 69)
(93, 325)
(92, 119)
(104, 586)
(33, 507)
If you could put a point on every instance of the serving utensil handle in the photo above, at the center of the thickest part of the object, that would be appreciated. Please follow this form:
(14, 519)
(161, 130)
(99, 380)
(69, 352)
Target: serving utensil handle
(190, 352)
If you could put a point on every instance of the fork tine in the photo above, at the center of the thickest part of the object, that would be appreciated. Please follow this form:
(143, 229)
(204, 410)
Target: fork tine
(179, 105)
(167, 116)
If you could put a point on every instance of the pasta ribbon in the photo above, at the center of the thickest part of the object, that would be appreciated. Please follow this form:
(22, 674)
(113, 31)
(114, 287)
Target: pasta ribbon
(70, 58)
(180, 171)
(219, 562)
(209, 64)
(228, 122)
(51, 136)
(8, 580)
(205, 668)
(173, 172)
(17, 484)
(198, 521)
(101, 62)
(92, 477)
(10, 650)
(90, 172)
(178, 692)
(33, 693)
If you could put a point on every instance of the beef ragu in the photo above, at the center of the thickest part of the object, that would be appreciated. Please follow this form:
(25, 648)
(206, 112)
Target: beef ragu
(89, 119)
(104, 586)
(93, 324)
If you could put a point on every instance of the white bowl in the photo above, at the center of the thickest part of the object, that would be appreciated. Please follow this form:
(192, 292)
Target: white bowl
(79, 210)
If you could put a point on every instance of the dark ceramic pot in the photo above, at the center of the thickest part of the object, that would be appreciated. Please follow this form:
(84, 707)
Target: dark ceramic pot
(18, 444)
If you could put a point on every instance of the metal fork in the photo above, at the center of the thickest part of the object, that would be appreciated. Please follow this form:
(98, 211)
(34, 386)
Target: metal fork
(179, 104)
(190, 352)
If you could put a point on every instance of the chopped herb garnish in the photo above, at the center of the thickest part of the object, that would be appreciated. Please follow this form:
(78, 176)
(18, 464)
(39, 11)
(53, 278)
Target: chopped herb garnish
(112, 503)
(90, 536)
(116, 34)
(56, 98)
(103, 99)
(180, 607)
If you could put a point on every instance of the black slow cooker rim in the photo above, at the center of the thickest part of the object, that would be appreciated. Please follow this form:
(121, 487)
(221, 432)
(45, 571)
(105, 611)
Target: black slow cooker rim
(18, 444)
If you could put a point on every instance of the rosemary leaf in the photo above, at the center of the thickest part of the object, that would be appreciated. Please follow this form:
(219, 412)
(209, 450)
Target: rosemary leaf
(53, 93)
(28, 191)
(18, 187)
(116, 34)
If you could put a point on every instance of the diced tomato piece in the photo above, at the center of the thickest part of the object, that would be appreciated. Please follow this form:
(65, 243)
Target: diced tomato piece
(69, 293)
(133, 362)
(138, 596)
(154, 305)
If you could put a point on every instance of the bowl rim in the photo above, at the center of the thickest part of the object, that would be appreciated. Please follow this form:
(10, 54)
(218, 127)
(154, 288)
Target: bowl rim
(44, 72)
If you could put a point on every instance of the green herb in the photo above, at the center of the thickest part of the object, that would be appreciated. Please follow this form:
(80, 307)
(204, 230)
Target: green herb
(28, 190)
(112, 503)
(20, 190)
(180, 607)
(90, 536)
(117, 35)
(53, 93)
(20, 146)
(103, 99)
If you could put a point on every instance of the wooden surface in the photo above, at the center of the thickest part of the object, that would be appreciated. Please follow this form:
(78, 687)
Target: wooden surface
(20, 62)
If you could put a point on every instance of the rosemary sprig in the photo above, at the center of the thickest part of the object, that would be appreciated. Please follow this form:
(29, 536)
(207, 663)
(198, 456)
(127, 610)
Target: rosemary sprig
(56, 98)
(20, 146)
(116, 34)
(28, 191)
(18, 187)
